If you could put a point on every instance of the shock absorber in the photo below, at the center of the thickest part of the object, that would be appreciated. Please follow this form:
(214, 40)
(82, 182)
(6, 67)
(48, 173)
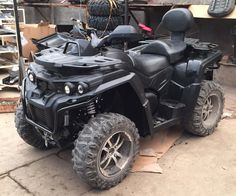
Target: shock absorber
(91, 109)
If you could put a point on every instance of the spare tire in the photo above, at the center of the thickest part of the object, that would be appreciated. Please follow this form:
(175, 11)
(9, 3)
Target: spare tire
(100, 23)
(101, 33)
(102, 8)
(36, 1)
(74, 2)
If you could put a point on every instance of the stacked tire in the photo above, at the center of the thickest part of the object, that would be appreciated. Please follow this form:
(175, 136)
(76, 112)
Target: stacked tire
(103, 16)
(74, 2)
(36, 1)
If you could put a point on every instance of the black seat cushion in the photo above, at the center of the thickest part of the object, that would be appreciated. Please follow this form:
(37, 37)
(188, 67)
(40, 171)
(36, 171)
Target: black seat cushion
(150, 64)
(172, 49)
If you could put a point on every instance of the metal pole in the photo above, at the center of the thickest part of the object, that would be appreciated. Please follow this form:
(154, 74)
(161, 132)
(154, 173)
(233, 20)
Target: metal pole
(126, 22)
(21, 61)
(17, 27)
(126, 12)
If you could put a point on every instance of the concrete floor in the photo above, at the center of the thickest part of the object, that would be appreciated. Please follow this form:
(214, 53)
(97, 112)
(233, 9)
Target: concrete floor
(193, 166)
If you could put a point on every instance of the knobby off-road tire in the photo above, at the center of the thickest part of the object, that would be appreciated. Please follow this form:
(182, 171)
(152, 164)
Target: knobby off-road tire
(102, 33)
(75, 2)
(36, 1)
(27, 132)
(208, 110)
(97, 145)
(102, 8)
(100, 23)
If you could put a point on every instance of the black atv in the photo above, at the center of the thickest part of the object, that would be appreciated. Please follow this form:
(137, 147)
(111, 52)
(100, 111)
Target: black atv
(106, 102)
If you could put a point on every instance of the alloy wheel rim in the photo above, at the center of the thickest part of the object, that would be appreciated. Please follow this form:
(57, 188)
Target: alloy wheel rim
(210, 110)
(115, 154)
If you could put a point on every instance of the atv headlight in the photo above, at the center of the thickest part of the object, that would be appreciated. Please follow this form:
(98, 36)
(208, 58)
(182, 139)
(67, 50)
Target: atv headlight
(31, 77)
(82, 87)
(28, 71)
(69, 88)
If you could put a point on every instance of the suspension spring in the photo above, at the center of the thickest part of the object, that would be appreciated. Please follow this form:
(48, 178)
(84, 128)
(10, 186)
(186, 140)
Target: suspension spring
(91, 108)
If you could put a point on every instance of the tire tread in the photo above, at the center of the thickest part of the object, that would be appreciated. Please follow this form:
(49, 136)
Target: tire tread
(84, 156)
(27, 132)
(194, 123)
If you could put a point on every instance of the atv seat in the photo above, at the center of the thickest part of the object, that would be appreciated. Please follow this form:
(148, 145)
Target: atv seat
(149, 64)
(177, 21)
(173, 50)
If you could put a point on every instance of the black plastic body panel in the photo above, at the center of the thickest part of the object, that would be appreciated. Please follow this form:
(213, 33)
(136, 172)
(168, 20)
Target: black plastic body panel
(188, 75)
(54, 104)
(179, 82)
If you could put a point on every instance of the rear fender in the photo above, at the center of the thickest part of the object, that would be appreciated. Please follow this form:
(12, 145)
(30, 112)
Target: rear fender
(200, 69)
(187, 78)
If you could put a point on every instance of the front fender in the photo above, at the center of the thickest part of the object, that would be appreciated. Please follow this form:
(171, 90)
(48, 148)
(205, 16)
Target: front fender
(133, 80)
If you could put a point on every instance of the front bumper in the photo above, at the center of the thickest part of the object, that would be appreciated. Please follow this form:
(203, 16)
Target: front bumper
(47, 111)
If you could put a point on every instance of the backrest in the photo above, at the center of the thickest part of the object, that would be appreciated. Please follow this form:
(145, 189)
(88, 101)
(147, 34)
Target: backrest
(178, 21)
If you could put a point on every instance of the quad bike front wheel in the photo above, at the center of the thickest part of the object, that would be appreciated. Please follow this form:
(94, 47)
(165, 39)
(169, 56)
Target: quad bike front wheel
(27, 132)
(105, 150)
(208, 110)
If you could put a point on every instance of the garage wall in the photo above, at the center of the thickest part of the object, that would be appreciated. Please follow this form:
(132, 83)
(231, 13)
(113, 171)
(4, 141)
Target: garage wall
(212, 30)
(217, 31)
(209, 30)
(60, 15)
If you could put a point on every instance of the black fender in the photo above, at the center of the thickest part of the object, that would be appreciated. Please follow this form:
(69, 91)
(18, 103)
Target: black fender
(188, 76)
(197, 68)
(133, 80)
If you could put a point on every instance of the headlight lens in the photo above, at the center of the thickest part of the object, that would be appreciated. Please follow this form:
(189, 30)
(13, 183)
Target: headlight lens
(80, 89)
(31, 77)
(69, 88)
(28, 71)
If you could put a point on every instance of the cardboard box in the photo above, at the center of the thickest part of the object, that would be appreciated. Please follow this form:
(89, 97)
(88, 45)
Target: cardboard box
(36, 31)
(8, 105)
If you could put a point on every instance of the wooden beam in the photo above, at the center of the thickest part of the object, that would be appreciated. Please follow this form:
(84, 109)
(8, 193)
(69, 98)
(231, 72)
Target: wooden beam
(52, 5)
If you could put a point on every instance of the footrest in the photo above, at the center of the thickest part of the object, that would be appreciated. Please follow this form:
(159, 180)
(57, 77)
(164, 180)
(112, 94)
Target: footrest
(171, 109)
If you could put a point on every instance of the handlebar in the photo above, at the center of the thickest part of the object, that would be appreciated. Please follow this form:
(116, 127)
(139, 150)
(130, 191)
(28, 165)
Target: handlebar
(71, 42)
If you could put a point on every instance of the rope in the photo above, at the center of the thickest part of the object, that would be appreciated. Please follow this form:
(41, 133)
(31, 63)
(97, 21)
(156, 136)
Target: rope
(112, 4)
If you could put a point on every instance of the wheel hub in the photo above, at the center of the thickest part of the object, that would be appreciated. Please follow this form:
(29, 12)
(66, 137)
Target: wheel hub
(115, 154)
(207, 108)
(210, 110)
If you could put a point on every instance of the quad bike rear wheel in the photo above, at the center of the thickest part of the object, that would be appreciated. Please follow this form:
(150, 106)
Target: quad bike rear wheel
(208, 110)
(103, 33)
(27, 132)
(105, 150)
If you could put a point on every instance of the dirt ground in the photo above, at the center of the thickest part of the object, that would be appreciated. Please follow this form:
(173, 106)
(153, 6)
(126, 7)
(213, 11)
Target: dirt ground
(193, 166)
